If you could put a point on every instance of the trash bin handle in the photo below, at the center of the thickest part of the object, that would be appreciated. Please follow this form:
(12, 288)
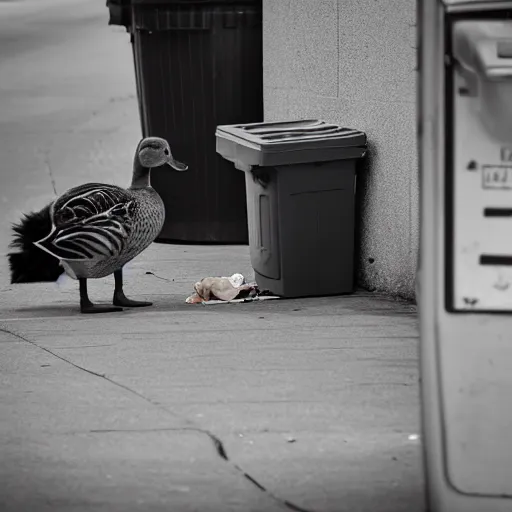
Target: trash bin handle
(261, 176)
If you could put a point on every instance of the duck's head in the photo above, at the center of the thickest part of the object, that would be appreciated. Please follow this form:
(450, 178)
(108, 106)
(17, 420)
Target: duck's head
(154, 152)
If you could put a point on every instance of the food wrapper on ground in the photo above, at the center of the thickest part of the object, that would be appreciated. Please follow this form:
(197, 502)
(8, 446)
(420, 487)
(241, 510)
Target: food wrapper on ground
(224, 289)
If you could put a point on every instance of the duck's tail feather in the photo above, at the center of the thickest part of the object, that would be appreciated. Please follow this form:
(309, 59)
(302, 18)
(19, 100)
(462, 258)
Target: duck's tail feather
(30, 264)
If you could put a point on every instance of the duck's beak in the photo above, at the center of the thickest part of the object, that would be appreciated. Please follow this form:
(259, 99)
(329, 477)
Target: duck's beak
(177, 166)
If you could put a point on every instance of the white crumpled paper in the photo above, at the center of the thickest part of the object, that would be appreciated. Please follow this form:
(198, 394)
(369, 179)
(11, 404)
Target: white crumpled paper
(219, 290)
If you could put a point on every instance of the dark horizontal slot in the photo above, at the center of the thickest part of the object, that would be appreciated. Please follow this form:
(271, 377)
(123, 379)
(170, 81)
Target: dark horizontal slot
(504, 49)
(498, 212)
(494, 259)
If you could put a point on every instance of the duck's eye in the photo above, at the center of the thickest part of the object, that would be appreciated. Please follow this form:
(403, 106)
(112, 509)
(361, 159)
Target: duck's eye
(166, 152)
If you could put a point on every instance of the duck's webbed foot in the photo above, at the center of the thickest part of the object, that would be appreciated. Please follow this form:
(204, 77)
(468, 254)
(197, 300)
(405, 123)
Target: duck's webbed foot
(99, 308)
(120, 298)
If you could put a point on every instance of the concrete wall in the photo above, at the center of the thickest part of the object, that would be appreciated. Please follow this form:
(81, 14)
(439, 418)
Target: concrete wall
(353, 62)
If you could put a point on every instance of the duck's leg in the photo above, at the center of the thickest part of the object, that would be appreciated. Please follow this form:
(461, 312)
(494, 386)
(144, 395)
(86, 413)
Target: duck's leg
(86, 306)
(120, 298)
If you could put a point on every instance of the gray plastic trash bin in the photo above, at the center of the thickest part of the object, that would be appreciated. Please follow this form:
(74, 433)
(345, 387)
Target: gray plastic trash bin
(300, 183)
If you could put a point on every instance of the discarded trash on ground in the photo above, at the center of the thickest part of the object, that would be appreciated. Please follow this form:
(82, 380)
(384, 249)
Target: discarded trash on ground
(223, 290)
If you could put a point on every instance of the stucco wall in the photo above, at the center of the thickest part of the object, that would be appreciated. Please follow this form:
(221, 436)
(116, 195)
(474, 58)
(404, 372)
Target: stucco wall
(353, 62)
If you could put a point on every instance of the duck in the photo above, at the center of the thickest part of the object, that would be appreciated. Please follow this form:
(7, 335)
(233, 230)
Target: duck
(92, 230)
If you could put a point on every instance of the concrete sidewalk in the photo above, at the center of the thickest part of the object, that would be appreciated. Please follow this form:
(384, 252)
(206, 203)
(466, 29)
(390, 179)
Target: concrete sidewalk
(309, 403)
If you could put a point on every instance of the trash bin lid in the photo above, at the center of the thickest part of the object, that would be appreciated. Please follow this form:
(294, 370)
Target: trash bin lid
(292, 135)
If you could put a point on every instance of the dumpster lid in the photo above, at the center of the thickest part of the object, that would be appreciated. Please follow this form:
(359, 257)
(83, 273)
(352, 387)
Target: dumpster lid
(292, 135)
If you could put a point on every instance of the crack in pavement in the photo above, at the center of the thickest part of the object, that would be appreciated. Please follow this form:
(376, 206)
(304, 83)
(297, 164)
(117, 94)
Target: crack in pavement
(49, 169)
(217, 442)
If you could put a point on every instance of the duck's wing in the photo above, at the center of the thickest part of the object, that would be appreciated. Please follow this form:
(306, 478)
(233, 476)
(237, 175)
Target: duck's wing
(90, 222)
